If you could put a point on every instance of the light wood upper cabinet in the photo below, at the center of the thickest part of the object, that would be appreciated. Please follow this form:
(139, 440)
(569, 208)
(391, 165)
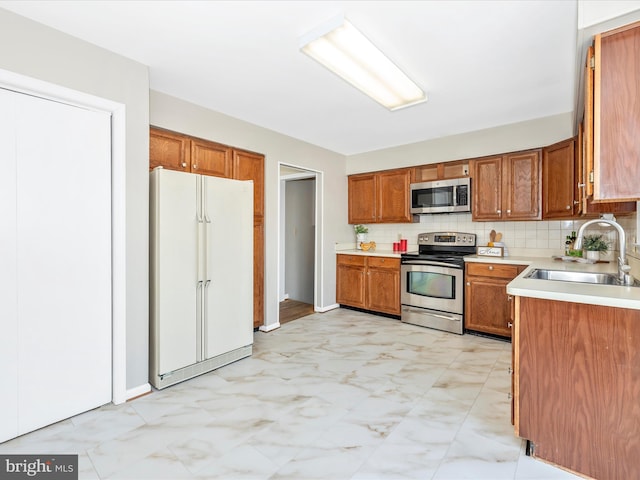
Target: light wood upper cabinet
(250, 166)
(380, 197)
(616, 148)
(440, 171)
(362, 198)
(486, 190)
(210, 158)
(393, 196)
(507, 187)
(169, 150)
(522, 186)
(559, 185)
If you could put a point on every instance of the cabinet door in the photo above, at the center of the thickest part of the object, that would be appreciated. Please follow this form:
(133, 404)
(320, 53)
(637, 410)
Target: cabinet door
(362, 198)
(393, 196)
(487, 189)
(486, 305)
(258, 272)
(383, 285)
(521, 187)
(250, 166)
(209, 158)
(587, 145)
(617, 114)
(169, 150)
(350, 282)
(558, 182)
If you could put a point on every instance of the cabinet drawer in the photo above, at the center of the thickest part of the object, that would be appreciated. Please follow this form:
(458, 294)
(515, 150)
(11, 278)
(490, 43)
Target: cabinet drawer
(358, 260)
(497, 270)
(383, 262)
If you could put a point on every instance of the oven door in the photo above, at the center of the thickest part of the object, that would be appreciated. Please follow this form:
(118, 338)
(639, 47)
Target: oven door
(432, 286)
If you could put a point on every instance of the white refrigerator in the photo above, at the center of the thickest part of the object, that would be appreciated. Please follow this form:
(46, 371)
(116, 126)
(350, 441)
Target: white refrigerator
(201, 305)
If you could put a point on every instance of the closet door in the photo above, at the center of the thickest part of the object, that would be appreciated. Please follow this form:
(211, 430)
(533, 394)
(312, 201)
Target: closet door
(62, 250)
(8, 269)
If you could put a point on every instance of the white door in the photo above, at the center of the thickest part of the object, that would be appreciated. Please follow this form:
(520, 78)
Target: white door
(174, 246)
(56, 243)
(228, 320)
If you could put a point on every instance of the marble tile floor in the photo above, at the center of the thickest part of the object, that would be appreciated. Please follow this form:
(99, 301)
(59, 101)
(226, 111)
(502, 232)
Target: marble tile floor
(337, 395)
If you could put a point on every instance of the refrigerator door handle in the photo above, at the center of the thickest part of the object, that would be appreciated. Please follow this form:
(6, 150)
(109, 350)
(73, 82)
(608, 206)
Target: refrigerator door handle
(205, 329)
(205, 204)
(199, 320)
(199, 201)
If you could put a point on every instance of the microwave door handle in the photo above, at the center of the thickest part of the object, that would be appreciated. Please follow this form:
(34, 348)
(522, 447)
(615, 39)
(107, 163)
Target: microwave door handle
(455, 195)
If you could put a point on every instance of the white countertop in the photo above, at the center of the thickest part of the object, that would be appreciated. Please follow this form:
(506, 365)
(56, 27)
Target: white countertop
(607, 295)
(375, 253)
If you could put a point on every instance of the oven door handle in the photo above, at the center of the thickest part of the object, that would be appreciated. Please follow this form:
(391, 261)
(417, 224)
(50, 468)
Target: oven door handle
(431, 262)
(431, 314)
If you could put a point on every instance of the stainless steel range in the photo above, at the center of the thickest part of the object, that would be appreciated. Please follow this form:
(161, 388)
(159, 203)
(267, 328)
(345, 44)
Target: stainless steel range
(432, 281)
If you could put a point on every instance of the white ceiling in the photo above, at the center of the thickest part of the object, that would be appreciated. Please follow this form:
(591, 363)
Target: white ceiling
(482, 63)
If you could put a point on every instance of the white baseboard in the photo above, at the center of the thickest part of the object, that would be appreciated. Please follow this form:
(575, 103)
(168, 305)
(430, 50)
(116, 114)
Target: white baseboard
(137, 391)
(270, 327)
(326, 309)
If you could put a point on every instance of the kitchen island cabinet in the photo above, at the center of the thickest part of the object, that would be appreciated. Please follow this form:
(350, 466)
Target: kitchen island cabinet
(487, 305)
(380, 197)
(368, 282)
(577, 384)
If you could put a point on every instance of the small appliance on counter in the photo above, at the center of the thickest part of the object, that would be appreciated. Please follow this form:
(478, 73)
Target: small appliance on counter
(432, 279)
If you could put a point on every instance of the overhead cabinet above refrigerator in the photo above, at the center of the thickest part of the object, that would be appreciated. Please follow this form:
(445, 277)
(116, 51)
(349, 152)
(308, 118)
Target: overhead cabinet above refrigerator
(201, 274)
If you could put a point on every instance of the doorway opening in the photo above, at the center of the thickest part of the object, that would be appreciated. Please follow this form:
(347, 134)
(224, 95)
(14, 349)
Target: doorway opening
(298, 242)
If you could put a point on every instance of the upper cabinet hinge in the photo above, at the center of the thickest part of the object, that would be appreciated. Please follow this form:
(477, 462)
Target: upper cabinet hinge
(591, 176)
(592, 62)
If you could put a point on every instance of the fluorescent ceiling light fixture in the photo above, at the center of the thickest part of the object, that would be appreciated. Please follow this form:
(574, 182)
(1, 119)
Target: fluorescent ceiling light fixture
(345, 51)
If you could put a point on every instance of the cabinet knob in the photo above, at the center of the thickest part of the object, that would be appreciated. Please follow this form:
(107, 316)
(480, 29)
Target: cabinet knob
(498, 212)
(568, 207)
(195, 166)
(184, 164)
(508, 212)
(576, 202)
(468, 284)
(509, 297)
(509, 324)
(490, 267)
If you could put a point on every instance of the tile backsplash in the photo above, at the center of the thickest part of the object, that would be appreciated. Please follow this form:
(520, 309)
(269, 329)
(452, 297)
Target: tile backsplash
(548, 237)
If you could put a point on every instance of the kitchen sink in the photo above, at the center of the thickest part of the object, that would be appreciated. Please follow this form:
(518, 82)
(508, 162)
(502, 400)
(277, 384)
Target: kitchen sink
(579, 277)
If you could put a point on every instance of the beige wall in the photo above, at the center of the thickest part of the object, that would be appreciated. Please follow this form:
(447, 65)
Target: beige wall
(507, 138)
(31, 49)
(181, 116)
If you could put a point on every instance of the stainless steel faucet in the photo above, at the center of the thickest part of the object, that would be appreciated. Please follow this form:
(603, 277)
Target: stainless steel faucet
(623, 268)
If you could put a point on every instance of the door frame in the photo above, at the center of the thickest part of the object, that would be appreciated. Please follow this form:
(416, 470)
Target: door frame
(39, 88)
(318, 250)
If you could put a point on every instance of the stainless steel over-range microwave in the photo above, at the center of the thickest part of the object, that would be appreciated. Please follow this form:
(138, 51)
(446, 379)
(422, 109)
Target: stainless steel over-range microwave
(442, 196)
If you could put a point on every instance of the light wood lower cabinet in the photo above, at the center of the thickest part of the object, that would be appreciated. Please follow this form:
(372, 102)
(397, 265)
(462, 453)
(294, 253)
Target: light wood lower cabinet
(487, 305)
(368, 282)
(577, 385)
